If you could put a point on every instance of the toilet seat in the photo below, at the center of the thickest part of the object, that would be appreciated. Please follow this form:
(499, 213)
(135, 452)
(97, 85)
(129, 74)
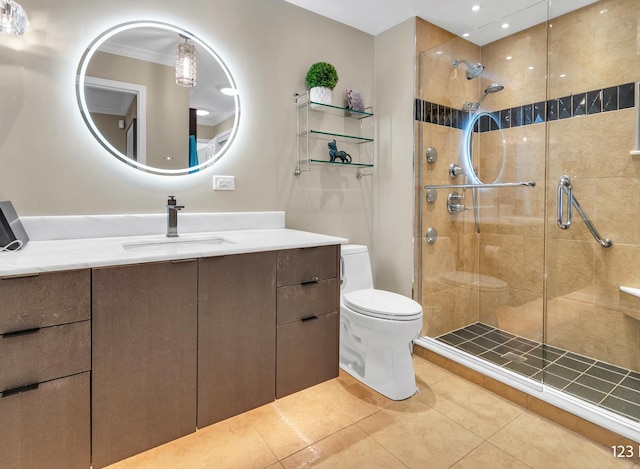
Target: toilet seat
(383, 305)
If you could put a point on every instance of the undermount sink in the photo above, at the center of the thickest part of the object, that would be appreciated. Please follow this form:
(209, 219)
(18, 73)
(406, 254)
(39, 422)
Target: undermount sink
(176, 243)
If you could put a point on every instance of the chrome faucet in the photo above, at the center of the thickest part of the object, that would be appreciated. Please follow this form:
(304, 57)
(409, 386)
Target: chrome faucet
(172, 217)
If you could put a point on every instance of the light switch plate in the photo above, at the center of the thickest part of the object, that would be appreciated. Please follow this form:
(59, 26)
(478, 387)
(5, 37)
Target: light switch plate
(224, 183)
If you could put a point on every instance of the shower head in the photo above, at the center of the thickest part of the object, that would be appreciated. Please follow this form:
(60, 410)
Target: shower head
(473, 70)
(492, 88)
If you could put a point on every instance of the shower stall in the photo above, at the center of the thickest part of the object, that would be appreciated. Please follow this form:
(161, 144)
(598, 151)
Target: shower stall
(528, 207)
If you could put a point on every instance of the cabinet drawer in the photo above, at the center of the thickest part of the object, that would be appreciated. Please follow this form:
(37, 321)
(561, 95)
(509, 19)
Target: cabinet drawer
(44, 354)
(303, 301)
(307, 353)
(47, 299)
(307, 264)
(47, 427)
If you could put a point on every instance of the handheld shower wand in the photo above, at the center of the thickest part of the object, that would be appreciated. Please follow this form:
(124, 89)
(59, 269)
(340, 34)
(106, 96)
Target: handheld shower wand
(474, 105)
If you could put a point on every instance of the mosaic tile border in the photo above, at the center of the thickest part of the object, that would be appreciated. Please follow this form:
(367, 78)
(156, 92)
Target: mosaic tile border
(581, 104)
(602, 384)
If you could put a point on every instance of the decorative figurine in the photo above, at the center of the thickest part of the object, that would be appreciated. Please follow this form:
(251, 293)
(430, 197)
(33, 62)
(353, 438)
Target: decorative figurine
(335, 153)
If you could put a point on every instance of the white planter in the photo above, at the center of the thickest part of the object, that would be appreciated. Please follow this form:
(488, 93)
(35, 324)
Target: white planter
(320, 94)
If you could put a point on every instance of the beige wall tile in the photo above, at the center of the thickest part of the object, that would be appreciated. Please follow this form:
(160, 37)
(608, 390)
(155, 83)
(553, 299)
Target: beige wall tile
(600, 333)
(595, 47)
(522, 84)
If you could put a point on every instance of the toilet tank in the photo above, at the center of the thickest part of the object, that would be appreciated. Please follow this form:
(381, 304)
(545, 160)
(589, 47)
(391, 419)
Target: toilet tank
(356, 268)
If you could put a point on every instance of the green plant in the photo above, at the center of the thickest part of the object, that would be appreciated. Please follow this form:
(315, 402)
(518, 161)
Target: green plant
(322, 74)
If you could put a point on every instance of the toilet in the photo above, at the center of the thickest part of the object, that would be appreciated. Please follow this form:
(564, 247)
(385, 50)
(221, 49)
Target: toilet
(377, 328)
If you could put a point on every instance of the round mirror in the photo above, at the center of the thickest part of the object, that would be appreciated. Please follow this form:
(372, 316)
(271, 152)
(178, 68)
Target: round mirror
(158, 98)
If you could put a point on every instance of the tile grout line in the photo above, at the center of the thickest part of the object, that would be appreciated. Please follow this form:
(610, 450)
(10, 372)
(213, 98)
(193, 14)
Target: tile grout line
(565, 353)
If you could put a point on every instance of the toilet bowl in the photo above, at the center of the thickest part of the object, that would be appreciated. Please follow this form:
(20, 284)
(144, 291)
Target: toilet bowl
(377, 328)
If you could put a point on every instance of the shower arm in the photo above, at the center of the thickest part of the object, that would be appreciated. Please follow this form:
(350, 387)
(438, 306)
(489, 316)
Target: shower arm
(482, 186)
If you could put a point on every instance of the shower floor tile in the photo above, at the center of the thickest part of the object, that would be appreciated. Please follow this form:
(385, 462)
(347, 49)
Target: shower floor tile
(586, 393)
(556, 381)
(562, 371)
(603, 373)
(607, 386)
(571, 363)
(622, 407)
(499, 336)
(595, 383)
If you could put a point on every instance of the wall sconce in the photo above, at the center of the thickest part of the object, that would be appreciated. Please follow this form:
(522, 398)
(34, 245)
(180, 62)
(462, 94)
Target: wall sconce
(13, 18)
(185, 64)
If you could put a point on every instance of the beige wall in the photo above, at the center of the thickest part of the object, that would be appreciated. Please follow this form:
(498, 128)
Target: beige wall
(393, 179)
(109, 127)
(268, 46)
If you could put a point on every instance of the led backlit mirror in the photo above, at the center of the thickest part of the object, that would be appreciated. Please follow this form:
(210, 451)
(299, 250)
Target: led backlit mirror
(130, 100)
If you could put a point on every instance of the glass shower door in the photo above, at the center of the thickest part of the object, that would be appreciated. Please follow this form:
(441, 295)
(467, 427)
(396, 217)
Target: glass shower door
(482, 275)
(592, 323)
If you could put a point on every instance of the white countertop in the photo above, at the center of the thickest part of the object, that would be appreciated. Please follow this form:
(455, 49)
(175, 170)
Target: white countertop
(259, 231)
(47, 256)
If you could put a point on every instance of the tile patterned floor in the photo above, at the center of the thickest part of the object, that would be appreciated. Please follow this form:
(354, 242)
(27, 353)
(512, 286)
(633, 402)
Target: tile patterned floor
(450, 423)
(607, 386)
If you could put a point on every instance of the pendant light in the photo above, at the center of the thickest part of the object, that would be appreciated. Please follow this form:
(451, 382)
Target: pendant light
(186, 64)
(13, 18)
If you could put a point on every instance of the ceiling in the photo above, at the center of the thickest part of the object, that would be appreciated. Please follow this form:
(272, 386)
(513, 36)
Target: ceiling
(482, 26)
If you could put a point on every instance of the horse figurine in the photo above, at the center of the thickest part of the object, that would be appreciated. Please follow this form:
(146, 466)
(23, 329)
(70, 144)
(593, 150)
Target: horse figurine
(335, 153)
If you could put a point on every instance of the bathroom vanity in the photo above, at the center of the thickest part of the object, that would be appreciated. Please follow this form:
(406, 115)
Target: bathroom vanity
(114, 345)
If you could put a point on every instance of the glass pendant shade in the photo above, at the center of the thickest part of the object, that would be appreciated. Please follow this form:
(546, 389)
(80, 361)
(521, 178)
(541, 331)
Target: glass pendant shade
(186, 65)
(13, 18)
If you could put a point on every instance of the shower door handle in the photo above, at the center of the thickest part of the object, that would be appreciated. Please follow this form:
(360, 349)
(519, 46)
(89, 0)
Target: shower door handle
(564, 188)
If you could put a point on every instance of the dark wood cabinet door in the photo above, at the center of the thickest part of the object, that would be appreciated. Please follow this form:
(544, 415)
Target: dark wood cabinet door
(46, 426)
(236, 334)
(144, 352)
(307, 353)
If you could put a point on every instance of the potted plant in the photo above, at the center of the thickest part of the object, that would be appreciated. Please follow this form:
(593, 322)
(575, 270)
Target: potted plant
(322, 77)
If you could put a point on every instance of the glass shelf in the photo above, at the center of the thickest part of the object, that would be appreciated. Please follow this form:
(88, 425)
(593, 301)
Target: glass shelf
(340, 163)
(355, 134)
(333, 136)
(337, 110)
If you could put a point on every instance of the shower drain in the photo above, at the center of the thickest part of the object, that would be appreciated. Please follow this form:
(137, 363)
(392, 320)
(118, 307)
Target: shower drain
(514, 357)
